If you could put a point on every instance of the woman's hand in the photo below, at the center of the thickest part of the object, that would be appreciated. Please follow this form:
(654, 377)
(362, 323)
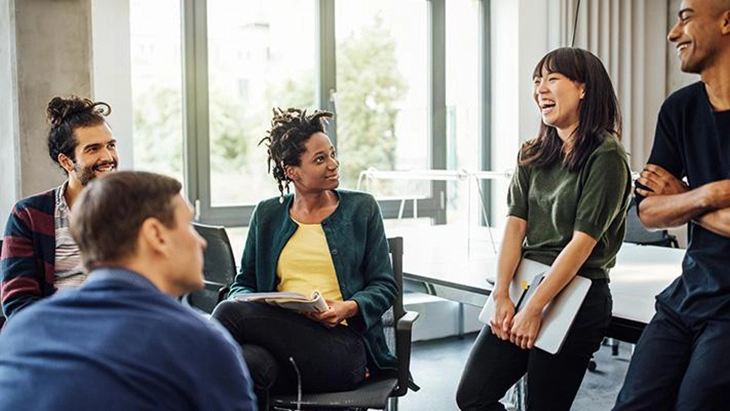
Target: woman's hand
(337, 312)
(525, 327)
(504, 311)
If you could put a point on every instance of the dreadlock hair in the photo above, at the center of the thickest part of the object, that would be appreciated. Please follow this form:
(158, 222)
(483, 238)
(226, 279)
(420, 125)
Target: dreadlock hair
(290, 130)
(598, 112)
(65, 116)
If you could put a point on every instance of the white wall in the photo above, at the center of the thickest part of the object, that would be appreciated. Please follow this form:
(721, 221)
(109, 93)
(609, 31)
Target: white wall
(520, 35)
(112, 73)
(9, 183)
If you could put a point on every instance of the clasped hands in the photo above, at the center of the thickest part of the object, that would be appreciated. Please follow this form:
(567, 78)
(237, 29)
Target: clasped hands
(521, 329)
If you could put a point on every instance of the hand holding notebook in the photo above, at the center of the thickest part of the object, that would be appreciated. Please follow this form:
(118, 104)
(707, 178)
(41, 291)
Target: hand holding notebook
(288, 300)
(558, 315)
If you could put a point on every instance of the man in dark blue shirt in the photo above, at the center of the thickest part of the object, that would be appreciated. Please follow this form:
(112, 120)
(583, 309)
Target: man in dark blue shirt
(681, 361)
(122, 341)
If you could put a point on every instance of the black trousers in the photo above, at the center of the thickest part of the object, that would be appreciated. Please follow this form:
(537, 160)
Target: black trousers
(678, 365)
(328, 359)
(495, 365)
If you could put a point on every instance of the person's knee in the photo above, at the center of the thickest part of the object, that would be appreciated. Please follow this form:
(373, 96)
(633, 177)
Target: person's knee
(463, 397)
(468, 396)
(261, 365)
(225, 310)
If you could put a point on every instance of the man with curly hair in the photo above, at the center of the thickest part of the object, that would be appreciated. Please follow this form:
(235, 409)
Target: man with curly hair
(38, 254)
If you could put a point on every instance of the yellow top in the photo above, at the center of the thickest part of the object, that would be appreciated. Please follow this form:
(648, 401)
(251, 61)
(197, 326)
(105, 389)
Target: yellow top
(305, 264)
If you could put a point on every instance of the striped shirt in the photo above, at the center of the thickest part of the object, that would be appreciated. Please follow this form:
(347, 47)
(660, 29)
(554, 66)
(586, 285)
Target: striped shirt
(69, 269)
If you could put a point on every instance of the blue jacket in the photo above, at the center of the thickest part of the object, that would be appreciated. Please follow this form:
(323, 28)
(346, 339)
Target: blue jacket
(359, 249)
(118, 343)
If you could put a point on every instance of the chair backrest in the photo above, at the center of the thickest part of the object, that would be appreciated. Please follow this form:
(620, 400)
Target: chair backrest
(219, 268)
(638, 234)
(220, 265)
(395, 245)
(402, 344)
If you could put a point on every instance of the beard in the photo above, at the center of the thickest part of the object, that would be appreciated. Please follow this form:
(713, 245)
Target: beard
(86, 174)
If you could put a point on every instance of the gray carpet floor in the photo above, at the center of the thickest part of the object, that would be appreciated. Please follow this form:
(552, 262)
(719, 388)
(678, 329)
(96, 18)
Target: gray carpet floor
(436, 366)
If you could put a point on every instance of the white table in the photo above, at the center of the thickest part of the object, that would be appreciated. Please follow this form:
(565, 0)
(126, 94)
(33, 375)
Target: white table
(457, 268)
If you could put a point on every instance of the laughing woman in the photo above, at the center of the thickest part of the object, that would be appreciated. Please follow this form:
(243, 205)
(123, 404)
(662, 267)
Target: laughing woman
(567, 205)
(320, 238)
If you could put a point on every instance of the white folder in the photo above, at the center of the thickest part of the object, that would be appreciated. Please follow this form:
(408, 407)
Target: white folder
(558, 315)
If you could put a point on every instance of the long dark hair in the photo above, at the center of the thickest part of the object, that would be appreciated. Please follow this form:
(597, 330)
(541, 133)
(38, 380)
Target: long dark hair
(290, 130)
(598, 111)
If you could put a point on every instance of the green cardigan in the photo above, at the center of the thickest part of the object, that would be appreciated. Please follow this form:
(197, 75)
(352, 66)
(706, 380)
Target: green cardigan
(359, 249)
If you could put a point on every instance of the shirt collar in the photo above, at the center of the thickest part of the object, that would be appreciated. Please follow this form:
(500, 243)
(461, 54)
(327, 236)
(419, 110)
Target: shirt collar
(121, 274)
(61, 203)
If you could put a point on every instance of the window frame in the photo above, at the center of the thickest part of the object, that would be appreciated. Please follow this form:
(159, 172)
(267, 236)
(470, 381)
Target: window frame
(196, 130)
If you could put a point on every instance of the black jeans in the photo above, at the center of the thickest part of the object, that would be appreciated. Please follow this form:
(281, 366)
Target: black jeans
(678, 365)
(328, 359)
(495, 365)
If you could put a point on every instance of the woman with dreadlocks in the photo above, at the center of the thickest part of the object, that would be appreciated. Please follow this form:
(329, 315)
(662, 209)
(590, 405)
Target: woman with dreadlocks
(318, 238)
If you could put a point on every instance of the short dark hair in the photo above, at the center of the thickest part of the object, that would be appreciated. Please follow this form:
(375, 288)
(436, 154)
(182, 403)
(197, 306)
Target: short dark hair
(68, 114)
(290, 130)
(599, 110)
(107, 217)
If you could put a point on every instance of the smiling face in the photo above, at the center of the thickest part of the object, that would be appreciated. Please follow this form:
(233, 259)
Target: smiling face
(319, 167)
(558, 99)
(698, 34)
(95, 154)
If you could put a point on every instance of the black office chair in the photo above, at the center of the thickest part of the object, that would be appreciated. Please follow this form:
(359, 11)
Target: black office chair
(219, 268)
(638, 234)
(376, 392)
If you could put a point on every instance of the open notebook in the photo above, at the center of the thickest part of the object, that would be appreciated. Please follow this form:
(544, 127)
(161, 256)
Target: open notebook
(558, 315)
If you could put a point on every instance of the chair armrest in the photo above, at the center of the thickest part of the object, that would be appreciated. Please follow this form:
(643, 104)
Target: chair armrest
(403, 330)
(209, 283)
(223, 292)
(222, 289)
(406, 321)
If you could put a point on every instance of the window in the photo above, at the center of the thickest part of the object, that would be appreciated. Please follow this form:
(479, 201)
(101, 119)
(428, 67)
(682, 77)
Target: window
(260, 55)
(463, 142)
(382, 91)
(157, 86)
(405, 78)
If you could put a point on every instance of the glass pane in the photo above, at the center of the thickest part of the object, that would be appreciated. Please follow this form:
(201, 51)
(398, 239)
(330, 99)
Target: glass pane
(463, 143)
(157, 86)
(237, 237)
(260, 55)
(382, 93)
